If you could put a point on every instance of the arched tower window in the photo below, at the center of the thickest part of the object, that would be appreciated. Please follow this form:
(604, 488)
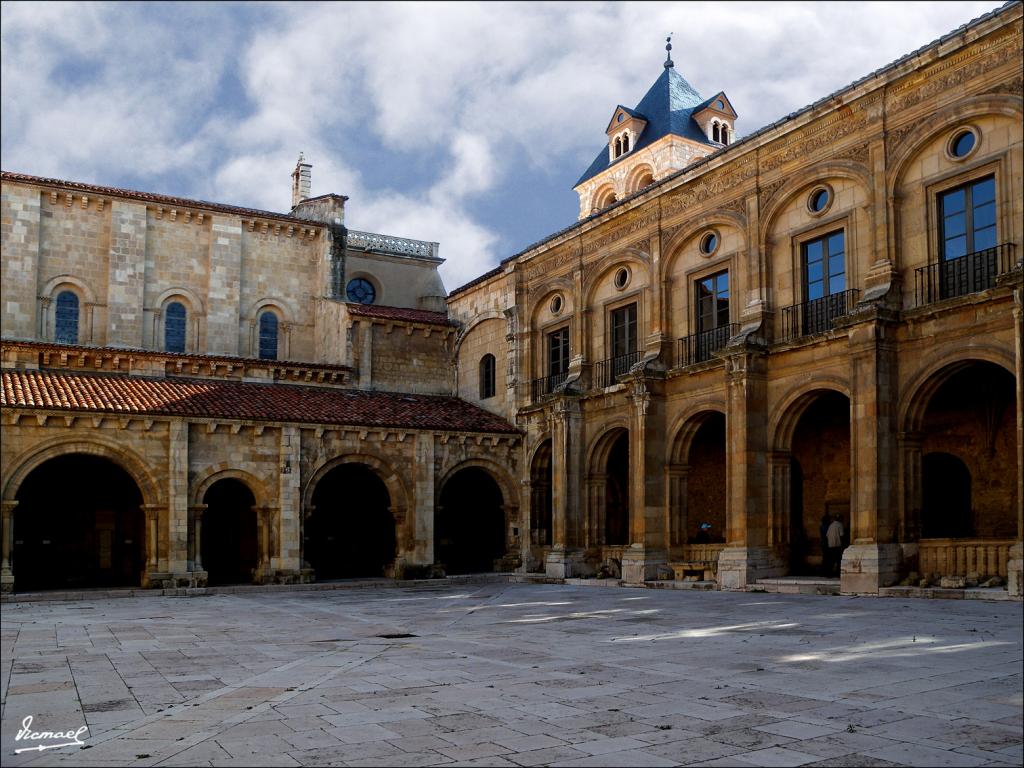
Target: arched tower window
(66, 323)
(625, 143)
(618, 146)
(725, 133)
(268, 336)
(174, 327)
(487, 377)
(715, 136)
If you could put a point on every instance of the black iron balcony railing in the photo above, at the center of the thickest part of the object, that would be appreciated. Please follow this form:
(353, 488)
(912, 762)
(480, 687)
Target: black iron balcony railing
(968, 274)
(545, 385)
(606, 372)
(818, 315)
(698, 347)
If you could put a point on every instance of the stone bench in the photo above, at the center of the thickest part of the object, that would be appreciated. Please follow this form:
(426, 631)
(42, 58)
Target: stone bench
(704, 569)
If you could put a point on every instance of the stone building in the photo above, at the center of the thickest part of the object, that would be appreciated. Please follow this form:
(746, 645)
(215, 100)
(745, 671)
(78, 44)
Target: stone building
(738, 337)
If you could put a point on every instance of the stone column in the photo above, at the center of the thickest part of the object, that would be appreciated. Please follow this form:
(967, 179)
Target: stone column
(647, 550)
(175, 560)
(287, 555)
(6, 544)
(197, 511)
(678, 503)
(779, 528)
(423, 511)
(263, 544)
(873, 559)
(747, 556)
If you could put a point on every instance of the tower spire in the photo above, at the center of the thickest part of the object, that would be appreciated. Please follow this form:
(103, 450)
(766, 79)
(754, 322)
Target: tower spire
(668, 52)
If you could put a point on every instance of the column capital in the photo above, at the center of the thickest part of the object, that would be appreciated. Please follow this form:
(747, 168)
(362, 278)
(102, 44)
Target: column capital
(7, 506)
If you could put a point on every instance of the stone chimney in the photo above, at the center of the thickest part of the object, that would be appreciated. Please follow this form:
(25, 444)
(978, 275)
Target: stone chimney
(301, 181)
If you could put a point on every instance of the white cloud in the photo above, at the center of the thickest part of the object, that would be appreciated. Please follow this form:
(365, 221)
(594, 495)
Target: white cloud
(484, 96)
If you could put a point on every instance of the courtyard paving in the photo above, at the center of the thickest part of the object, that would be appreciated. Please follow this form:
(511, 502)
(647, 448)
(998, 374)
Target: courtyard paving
(515, 674)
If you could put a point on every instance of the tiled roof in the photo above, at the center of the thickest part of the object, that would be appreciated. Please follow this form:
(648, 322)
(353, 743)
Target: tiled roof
(667, 107)
(202, 398)
(151, 197)
(400, 313)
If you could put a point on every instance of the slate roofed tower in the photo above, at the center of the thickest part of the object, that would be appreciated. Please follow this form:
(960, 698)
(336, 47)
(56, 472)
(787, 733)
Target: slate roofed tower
(671, 127)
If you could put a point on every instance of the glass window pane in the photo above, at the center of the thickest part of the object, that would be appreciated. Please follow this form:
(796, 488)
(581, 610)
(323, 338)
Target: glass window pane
(813, 251)
(66, 320)
(814, 272)
(955, 247)
(174, 327)
(954, 225)
(836, 265)
(815, 290)
(723, 284)
(984, 215)
(984, 191)
(985, 238)
(837, 283)
(835, 243)
(268, 336)
(952, 202)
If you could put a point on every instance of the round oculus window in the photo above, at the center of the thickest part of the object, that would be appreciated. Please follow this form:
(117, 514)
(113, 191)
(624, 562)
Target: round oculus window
(556, 304)
(621, 118)
(709, 243)
(819, 200)
(621, 278)
(719, 104)
(962, 144)
(361, 291)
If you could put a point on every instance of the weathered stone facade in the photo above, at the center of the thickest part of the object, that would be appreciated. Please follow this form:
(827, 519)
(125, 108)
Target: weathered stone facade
(704, 380)
(784, 410)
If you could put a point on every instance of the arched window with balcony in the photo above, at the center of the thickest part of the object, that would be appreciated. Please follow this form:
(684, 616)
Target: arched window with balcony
(66, 318)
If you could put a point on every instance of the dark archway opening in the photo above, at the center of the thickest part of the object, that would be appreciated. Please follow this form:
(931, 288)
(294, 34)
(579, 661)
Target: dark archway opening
(229, 538)
(78, 524)
(616, 519)
(705, 483)
(969, 463)
(470, 523)
(821, 484)
(351, 533)
(541, 496)
(947, 497)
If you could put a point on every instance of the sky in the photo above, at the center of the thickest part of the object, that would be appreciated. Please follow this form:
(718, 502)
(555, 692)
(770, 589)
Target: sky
(462, 123)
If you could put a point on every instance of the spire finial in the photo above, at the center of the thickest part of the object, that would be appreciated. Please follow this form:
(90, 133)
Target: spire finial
(668, 51)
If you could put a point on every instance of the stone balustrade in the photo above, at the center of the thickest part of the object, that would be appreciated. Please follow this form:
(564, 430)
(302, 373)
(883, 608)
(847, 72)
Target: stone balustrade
(959, 557)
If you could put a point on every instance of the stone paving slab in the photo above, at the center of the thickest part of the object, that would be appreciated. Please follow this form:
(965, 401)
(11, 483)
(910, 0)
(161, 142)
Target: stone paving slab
(503, 673)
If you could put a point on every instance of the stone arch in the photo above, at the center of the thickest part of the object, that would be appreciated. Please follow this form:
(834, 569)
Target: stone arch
(280, 307)
(804, 179)
(625, 256)
(929, 129)
(686, 427)
(103, 447)
(603, 197)
(674, 246)
(600, 446)
(498, 473)
(192, 302)
(483, 317)
(391, 479)
(792, 406)
(47, 305)
(54, 286)
(636, 176)
(562, 285)
(920, 387)
(224, 471)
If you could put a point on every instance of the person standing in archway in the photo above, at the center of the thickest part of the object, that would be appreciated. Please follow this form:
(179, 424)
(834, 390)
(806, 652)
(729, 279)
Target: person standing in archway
(834, 537)
(826, 563)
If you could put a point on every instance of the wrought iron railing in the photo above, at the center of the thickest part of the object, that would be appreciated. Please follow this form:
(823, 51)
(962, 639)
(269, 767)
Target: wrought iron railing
(606, 372)
(545, 385)
(698, 347)
(817, 316)
(968, 274)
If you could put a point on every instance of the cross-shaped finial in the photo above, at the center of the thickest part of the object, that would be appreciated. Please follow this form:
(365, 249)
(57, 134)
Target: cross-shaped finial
(668, 52)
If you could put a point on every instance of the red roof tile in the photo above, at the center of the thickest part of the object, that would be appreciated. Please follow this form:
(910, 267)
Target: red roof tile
(202, 398)
(400, 313)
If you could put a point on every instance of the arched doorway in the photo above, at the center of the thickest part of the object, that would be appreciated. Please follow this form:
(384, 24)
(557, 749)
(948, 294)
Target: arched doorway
(351, 531)
(230, 537)
(470, 523)
(616, 510)
(819, 477)
(960, 455)
(78, 524)
(705, 482)
(541, 496)
(946, 488)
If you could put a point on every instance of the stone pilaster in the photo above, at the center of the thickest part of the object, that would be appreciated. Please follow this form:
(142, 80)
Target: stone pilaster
(873, 559)
(223, 311)
(286, 558)
(199, 575)
(19, 268)
(747, 556)
(648, 547)
(127, 274)
(423, 501)
(1015, 565)
(175, 559)
(566, 558)
(153, 575)
(6, 545)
